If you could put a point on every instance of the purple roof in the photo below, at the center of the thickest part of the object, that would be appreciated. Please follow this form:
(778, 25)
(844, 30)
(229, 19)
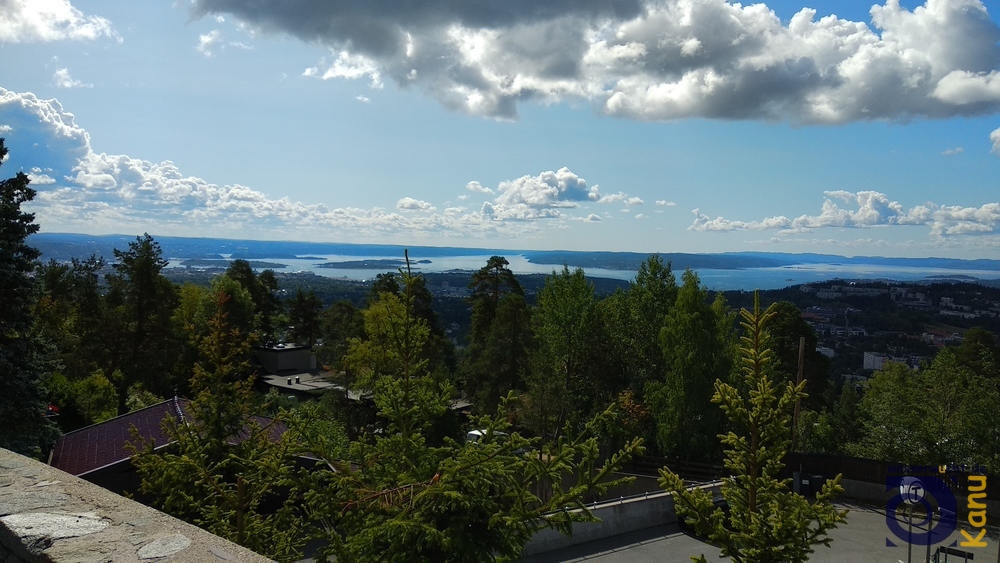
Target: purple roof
(81, 451)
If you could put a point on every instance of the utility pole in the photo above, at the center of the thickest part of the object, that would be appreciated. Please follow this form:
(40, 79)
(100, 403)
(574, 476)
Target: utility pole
(798, 380)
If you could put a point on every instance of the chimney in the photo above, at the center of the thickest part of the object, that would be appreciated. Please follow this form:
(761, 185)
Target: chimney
(289, 380)
(296, 379)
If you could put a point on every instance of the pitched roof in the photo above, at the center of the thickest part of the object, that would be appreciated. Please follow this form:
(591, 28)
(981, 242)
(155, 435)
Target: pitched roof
(85, 450)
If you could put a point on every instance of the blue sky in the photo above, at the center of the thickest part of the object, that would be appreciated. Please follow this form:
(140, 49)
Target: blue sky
(639, 125)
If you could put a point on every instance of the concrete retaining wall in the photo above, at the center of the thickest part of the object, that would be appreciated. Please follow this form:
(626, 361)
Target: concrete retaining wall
(621, 517)
(47, 515)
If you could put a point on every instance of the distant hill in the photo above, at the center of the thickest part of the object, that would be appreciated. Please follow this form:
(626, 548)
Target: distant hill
(61, 246)
(741, 260)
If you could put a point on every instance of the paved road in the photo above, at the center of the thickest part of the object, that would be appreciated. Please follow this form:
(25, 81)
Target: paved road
(862, 539)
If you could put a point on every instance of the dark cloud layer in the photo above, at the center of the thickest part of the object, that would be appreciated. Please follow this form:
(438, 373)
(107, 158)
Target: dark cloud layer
(657, 60)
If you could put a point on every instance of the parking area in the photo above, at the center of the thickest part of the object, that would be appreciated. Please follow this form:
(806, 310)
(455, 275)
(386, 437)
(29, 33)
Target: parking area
(862, 539)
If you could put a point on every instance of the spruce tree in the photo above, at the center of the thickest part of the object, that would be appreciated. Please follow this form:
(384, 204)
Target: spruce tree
(401, 498)
(767, 523)
(224, 466)
(23, 354)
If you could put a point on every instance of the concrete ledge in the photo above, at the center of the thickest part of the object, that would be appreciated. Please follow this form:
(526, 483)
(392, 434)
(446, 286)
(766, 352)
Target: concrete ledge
(617, 517)
(47, 515)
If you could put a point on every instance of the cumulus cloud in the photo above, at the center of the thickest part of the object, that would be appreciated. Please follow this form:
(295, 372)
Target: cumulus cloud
(62, 79)
(995, 139)
(85, 191)
(34, 21)
(474, 186)
(871, 209)
(39, 176)
(656, 59)
(363, 99)
(620, 197)
(594, 218)
(641, 216)
(410, 204)
(540, 197)
(665, 203)
(954, 151)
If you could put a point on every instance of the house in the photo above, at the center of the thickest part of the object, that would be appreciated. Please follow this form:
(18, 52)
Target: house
(97, 453)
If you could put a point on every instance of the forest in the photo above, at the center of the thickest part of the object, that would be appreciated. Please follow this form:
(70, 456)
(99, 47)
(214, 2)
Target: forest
(579, 380)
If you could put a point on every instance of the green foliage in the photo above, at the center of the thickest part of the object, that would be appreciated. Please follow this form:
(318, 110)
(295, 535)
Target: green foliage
(224, 464)
(786, 328)
(697, 348)
(405, 499)
(96, 398)
(564, 386)
(338, 324)
(139, 398)
(500, 339)
(140, 340)
(304, 317)
(70, 314)
(832, 431)
(23, 354)
(767, 522)
(942, 414)
(261, 289)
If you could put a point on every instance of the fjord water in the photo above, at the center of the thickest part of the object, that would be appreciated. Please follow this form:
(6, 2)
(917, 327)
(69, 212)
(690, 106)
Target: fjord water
(717, 279)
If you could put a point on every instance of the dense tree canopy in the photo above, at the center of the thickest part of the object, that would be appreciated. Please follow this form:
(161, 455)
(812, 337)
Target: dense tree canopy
(23, 354)
(767, 522)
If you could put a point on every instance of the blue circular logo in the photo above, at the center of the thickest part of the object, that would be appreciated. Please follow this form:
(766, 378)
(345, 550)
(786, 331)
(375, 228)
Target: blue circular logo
(910, 511)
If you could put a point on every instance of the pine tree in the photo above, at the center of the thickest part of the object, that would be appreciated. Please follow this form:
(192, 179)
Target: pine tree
(767, 523)
(224, 464)
(23, 354)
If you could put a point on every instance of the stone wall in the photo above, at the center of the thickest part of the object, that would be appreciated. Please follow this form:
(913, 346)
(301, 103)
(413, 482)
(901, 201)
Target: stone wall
(47, 515)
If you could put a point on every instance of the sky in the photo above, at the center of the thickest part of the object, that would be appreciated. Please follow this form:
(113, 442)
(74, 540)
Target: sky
(633, 125)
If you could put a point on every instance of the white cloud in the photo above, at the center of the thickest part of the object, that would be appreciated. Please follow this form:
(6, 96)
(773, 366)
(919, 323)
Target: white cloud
(90, 192)
(363, 99)
(207, 41)
(954, 151)
(659, 59)
(665, 203)
(620, 197)
(410, 204)
(594, 218)
(32, 21)
(873, 209)
(475, 186)
(62, 79)
(540, 197)
(995, 139)
(350, 66)
(39, 176)
(6, 129)
(641, 216)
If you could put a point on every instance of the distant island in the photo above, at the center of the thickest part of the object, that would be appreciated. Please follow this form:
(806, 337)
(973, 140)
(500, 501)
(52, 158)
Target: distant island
(381, 264)
(223, 263)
